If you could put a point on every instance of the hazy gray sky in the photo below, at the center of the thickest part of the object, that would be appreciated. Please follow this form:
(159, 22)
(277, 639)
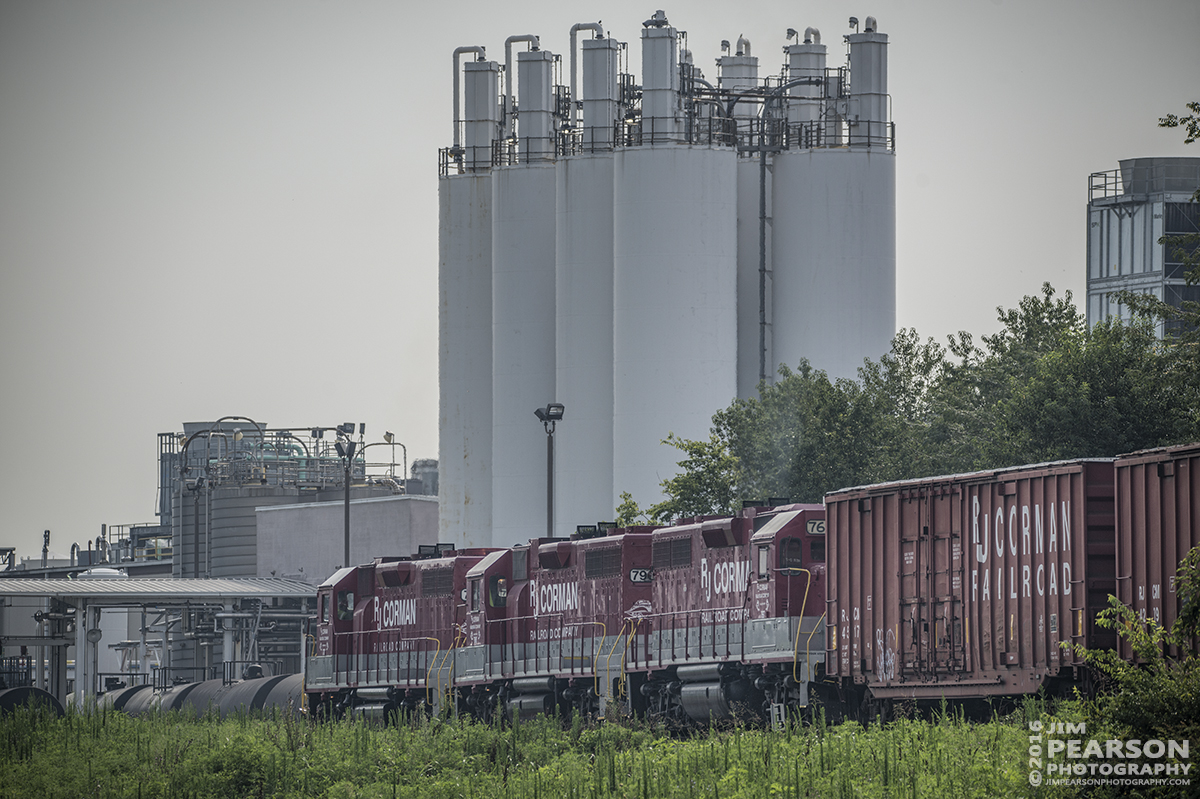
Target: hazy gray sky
(230, 207)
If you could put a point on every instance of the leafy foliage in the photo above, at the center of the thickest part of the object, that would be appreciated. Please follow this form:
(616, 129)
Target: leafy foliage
(1044, 387)
(99, 753)
(1157, 695)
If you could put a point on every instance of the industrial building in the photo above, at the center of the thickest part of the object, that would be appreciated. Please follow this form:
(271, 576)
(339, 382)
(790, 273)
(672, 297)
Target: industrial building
(643, 251)
(1130, 209)
(250, 520)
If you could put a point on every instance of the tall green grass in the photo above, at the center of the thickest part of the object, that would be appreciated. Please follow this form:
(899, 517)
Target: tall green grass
(101, 753)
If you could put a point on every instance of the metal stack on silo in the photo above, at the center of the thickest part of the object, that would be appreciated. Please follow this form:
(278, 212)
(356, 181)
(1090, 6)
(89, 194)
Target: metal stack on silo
(643, 253)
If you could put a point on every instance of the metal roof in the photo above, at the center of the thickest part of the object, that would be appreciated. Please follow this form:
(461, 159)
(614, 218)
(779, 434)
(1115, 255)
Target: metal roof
(174, 590)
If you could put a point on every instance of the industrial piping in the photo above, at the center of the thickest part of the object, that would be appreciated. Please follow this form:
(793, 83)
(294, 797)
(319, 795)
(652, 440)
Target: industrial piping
(459, 51)
(596, 28)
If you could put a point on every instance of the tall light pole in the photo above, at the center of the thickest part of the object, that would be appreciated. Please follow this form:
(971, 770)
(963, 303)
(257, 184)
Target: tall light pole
(345, 449)
(553, 412)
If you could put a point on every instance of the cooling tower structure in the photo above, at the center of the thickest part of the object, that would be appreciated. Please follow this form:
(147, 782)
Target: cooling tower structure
(643, 251)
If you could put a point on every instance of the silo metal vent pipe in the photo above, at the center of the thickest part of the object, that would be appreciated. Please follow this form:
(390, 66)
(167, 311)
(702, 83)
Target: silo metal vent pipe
(596, 28)
(534, 44)
(457, 52)
(812, 36)
(743, 46)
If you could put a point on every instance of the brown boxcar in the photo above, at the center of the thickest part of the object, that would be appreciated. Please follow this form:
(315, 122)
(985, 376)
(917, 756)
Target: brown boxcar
(965, 585)
(1158, 522)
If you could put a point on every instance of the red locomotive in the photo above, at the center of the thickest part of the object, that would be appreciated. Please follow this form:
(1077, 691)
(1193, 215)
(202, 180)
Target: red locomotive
(693, 621)
(952, 587)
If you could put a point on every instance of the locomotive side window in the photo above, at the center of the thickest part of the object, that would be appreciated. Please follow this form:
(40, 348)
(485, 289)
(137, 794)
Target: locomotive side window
(324, 609)
(816, 551)
(791, 553)
(764, 562)
(498, 592)
(345, 605)
(474, 595)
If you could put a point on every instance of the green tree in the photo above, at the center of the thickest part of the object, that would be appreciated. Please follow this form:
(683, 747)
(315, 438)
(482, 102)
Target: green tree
(1044, 387)
(1158, 696)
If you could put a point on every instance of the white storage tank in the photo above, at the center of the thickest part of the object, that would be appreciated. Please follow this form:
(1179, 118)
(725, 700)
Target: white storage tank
(523, 316)
(675, 305)
(584, 303)
(739, 73)
(465, 320)
(835, 231)
(674, 290)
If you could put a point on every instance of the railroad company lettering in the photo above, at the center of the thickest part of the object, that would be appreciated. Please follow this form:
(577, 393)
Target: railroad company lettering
(725, 577)
(395, 613)
(1022, 527)
(555, 597)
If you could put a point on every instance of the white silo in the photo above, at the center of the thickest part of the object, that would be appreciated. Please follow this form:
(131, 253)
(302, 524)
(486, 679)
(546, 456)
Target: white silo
(523, 253)
(739, 73)
(674, 282)
(834, 228)
(584, 301)
(465, 312)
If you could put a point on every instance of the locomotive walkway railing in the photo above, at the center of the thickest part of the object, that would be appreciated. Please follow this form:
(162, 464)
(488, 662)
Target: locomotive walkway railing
(543, 644)
(389, 658)
(687, 636)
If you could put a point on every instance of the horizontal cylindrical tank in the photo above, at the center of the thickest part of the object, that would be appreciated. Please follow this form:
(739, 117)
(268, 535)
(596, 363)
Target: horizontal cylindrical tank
(523, 347)
(674, 305)
(966, 585)
(833, 257)
(465, 359)
(13, 698)
(1158, 523)
(118, 699)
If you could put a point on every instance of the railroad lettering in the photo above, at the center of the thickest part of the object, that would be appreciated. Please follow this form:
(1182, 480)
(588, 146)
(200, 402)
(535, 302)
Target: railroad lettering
(395, 613)
(554, 597)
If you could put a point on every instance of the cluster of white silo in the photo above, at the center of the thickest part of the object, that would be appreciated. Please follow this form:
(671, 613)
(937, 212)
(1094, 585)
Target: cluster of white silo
(643, 253)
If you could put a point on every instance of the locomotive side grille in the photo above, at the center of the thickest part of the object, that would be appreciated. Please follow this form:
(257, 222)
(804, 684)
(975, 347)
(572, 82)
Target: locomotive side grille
(602, 562)
(437, 582)
(672, 554)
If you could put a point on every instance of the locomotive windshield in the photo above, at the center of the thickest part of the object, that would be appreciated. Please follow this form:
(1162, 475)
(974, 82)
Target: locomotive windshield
(345, 605)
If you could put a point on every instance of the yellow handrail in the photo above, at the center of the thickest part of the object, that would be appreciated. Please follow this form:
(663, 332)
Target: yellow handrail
(595, 668)
(612, 649)
(800, 623)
